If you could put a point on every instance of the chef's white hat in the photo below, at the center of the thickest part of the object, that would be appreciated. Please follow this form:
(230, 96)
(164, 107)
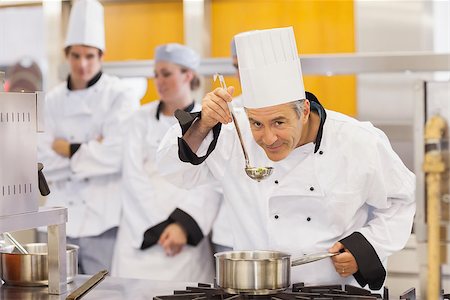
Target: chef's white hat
(178, 54)
(269, 67)
(233, 48)
(86, 25)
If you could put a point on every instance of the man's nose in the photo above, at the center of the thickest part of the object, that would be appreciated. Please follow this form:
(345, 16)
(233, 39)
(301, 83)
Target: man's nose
(83, 63)
(269, 137)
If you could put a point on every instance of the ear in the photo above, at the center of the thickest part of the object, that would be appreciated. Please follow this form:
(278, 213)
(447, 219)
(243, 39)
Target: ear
(189, 75)
(306, 111)
(101, 54)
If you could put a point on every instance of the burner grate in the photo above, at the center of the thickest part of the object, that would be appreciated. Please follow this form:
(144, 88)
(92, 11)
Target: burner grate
(298, 291)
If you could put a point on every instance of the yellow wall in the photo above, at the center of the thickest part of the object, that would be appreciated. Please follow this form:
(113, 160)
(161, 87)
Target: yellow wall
(320, 27)
(134, 29)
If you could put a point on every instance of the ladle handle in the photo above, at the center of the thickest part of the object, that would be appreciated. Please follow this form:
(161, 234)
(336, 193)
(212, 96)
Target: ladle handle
(236, 125)
(16, 243)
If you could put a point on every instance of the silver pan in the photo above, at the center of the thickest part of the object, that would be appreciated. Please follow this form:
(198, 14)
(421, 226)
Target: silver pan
(258, 272)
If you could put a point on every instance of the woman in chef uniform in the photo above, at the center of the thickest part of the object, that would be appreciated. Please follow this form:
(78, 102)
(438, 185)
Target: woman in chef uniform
(163, 229)
(336, 185)
(81, 148)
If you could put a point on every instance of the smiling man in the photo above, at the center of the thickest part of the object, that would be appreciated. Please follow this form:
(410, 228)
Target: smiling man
(336, 185)
(81, 148)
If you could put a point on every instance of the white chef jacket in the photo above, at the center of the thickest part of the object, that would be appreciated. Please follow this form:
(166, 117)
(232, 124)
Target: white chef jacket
(149, 199)
(354, 183)
(221, 233)
(88, 183)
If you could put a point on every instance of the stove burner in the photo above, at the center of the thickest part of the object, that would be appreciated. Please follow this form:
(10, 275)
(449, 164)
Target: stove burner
(298, 291)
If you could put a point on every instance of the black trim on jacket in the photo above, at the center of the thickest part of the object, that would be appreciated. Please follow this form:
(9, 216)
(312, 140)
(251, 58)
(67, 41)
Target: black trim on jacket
(188, 108)
(188, 223)
(90, 82)
(370, 269)
(74, 148)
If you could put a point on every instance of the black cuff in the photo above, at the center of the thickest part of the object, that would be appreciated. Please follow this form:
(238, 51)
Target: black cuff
(151, 235)
(184, 151)
(74, 148)
(195, 234)
(370, 269)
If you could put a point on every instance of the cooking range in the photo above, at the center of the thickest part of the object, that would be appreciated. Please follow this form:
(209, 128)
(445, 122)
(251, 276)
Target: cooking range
(298, 291)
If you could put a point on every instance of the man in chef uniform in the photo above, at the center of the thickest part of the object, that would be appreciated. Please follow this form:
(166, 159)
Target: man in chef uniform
(81, 148)
(336, 185)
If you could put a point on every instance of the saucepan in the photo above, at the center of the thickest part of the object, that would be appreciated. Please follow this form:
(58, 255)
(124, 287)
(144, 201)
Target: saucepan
(258, 272)
(32, 269)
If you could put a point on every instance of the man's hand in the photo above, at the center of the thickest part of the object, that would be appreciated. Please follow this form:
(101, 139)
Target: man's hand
(344, 263)
(173, 239)
(215, 108)
(62, 147)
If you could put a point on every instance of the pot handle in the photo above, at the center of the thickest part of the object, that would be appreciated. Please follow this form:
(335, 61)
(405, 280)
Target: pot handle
(312, 257)
(87, 286)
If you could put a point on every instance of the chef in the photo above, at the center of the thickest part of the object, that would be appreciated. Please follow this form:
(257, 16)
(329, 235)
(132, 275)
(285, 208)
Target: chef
(164, 230)
(337, 185)
(81, 148)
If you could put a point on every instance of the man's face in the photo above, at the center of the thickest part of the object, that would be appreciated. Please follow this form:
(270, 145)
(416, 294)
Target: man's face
(85, 62)
(277, 129)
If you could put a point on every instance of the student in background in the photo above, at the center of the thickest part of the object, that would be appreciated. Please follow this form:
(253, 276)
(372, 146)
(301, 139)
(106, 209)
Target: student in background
(163, 228)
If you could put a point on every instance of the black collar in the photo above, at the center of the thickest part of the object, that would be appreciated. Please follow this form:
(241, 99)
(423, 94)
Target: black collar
(317, 107)
(188, 108)
(90, 82)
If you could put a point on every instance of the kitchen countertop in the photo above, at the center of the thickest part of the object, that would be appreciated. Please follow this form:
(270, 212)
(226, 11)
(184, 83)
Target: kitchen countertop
(111, 288)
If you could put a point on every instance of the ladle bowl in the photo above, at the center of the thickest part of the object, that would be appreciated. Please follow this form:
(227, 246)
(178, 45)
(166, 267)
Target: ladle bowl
(258, 174)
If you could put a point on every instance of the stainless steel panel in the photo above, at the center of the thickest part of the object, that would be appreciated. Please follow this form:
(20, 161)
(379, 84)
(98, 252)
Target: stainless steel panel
(18, 158)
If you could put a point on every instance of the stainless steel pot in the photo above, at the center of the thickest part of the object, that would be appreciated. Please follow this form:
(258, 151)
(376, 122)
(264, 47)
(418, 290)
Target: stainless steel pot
(258, 272)
(32, 269)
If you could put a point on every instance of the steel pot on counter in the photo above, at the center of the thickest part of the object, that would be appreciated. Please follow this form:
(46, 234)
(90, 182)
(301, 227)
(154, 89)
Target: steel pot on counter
(32, 269)
(258, 272)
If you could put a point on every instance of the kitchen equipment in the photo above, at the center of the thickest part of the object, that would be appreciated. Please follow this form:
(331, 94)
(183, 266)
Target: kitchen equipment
(42, 182)
(16, 243)
(87, 286)
(20, 121)
(259, 173)
(32, 269)
(258, 272)
(19, 124)
(298, 290)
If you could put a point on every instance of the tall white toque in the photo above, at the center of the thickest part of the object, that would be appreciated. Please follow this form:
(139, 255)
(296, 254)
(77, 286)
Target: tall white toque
(86, 25)
(269, 67)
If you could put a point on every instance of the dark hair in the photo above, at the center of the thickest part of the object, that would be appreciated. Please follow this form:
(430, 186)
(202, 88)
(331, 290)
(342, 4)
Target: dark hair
(195, 82)
(67, 50)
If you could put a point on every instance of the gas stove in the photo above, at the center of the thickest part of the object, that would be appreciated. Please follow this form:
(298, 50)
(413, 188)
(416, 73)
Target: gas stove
(298, 291)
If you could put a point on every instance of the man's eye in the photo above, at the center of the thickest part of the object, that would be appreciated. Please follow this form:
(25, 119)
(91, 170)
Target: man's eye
(279, 123)
(257, 124)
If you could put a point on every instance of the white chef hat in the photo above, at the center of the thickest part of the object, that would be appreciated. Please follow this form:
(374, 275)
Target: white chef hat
(178, 54)
(86, 25)
(269, 67)
(233, 48)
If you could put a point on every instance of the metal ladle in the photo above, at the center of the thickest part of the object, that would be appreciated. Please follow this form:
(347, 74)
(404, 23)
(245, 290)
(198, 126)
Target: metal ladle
(19, 247)
(259, 173)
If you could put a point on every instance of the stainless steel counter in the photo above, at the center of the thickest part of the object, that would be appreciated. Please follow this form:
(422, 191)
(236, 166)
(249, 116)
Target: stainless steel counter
(112, 288)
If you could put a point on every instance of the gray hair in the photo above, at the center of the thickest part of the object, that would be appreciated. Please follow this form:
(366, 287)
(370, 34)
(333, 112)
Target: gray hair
(298, 106)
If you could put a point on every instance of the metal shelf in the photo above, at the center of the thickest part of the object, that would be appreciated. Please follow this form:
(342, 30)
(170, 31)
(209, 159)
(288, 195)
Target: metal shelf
(313, 64)
(55, 219)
